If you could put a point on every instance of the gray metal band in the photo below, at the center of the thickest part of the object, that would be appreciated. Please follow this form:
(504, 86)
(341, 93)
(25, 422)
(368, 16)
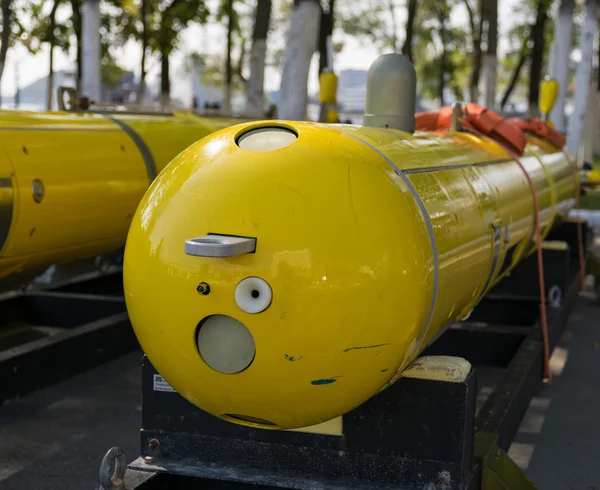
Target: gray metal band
(6, 208)
(141, 146)
(499, 235)
(427, 221)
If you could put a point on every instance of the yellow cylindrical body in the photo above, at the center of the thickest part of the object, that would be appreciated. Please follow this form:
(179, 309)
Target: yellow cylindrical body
(70, 183)
(372, 241)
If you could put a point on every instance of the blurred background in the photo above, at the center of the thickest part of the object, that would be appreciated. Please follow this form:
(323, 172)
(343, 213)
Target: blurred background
(199, 53)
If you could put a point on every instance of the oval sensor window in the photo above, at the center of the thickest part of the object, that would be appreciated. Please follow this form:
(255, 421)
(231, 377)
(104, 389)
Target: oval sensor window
(266, 139)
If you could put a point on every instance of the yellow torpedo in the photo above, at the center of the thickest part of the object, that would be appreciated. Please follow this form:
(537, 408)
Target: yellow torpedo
(70, 183)
(279, 274)
(362, 245)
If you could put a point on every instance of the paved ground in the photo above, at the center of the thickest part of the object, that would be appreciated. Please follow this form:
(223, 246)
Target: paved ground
(55, 439)
(559, 440)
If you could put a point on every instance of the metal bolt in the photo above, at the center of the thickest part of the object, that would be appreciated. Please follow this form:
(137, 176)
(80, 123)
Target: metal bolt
(153, 444)
(148, 459)
(203, 288)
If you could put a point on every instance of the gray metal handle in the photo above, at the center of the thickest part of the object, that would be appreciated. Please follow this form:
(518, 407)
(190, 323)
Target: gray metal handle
(219, 246)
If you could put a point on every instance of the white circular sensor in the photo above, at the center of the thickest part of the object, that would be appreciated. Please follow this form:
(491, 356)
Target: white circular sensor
(267, 139)
(253, 295)
(225, 344)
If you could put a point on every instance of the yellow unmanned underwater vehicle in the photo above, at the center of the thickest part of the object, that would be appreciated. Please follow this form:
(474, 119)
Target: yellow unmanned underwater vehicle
(278, 274)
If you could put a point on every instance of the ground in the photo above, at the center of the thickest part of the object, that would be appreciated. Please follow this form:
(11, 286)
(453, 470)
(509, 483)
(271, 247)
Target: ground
(54, 439)
(559, 440)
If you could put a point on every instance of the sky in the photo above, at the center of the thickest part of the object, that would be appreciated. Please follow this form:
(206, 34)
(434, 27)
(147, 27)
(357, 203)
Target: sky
(210, 38)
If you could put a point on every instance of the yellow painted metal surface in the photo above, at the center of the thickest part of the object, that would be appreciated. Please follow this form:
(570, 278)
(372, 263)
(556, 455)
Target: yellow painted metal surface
(328, 83)
(372, 242)
(92, 175)
(548, 94)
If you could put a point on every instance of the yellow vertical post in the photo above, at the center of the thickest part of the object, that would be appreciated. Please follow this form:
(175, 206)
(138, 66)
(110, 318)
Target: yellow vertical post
(548, 94)
(328, 97)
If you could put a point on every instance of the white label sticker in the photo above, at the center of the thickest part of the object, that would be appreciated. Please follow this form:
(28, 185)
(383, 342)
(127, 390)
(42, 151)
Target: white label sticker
(161, 385)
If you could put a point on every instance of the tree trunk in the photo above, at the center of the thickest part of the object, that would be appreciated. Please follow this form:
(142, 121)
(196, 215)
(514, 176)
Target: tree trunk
(51, 28)
(76, 8)
(300, 47)
(598, 62)
(442, 80)
(258, 53)
(325, 33)
(537, 54)
(17, 86)
(240, 64)
(91, 76)
(581, 99)
(50, 97)
(476, 35)
(559, 61)
(141, 89)
(4, 40)
(410, 27)
(165, 80)
(326, 49)
(523, 55)
(490, 60)
(394, 27)
(228, 63)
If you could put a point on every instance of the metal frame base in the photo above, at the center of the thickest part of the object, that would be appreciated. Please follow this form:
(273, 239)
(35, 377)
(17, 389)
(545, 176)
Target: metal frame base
(50, 334)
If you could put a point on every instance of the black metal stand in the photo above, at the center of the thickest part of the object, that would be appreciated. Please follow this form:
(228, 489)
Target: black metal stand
(49, 335)
(414, 433)
(418, 434)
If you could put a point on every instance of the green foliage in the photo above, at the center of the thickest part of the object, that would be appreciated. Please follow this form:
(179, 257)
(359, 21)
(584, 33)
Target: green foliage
(442, 50)
(242, 22)
(42, 30)
(111, 72)
(19, 30)
(280, 16)
(166, 19)
(368, 19)
(518, 39)
(214, 64)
